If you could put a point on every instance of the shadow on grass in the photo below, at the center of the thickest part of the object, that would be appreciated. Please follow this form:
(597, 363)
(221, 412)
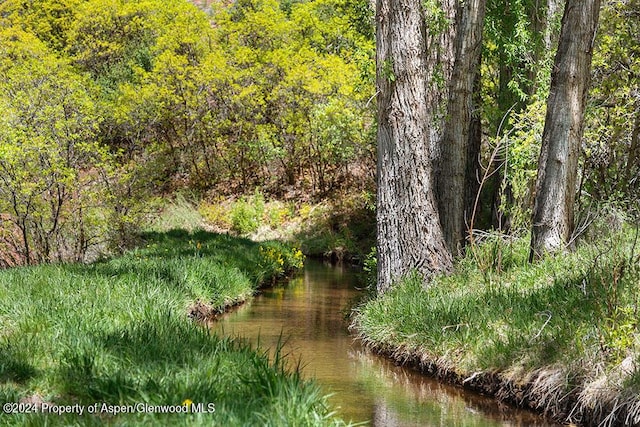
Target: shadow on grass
(541, 325)
(165, 360)
(115, 331)
(157, 258)
(546, 319)
(14, 368)
(201, 243)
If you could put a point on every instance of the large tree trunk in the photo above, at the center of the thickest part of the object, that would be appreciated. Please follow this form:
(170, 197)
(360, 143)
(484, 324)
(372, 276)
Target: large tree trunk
(456, 168)
(409, 233)
(564, 124)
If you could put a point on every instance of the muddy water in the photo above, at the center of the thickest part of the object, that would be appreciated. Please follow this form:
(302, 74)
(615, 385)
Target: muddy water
(309, 313)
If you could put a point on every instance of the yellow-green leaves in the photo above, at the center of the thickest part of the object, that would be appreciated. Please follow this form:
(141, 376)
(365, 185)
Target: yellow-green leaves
(49, 153)
(107, 101)
(285, 63)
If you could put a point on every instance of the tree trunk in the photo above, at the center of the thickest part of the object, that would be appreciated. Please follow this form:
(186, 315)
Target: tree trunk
(408, 224)
(632, 167)
(564, 123)
(456, 173)
(474, 167)
(552, 7)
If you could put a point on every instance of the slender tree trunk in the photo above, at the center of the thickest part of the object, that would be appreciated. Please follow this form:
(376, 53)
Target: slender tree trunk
(564, 124)
(455, 165)
(552, 7)
(633, 165)
(409, 233)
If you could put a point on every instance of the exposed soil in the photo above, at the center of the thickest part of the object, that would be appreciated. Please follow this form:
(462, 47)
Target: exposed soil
(203, 312)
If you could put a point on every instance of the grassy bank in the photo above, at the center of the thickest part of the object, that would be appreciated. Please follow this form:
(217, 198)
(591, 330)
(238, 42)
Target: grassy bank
(560, 336)
(118, 332)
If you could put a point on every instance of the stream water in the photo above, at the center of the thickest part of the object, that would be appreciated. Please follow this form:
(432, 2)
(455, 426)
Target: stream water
(308, 313)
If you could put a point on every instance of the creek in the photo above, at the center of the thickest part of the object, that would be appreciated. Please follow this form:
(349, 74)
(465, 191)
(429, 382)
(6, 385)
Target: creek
(308, 314)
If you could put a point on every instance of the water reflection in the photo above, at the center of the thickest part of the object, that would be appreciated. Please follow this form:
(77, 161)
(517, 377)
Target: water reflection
(309, 313)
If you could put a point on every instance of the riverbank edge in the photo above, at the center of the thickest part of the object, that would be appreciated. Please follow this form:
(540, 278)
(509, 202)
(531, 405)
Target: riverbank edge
(543, 390)
(20, 394)
(204, 313)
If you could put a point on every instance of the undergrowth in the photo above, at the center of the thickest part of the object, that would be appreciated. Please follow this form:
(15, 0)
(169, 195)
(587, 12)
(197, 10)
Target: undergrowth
(340, 228)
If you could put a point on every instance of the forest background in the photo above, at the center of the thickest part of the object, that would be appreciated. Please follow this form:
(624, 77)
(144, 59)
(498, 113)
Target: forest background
(110, 109)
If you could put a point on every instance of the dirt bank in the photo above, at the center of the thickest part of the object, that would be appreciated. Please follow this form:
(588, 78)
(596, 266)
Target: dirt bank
(553, 392)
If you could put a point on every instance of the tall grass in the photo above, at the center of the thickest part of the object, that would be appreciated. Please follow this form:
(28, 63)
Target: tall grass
(573, 314)
(179, 214)
(117, 332)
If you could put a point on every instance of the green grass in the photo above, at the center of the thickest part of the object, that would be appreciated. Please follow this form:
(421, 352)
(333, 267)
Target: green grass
(177, 214)
(573, 313)
(117, 331)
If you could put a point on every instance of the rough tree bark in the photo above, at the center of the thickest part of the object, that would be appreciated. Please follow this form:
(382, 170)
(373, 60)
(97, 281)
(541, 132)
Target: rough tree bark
(460, 143)
(564, 124)
(409, 233)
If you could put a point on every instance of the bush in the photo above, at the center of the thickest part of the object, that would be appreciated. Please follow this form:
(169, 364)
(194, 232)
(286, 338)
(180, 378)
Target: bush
(246, 214)
(278, 259)
(278, 213)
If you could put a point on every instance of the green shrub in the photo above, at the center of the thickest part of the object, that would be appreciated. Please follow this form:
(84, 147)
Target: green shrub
(278, 259)
(278, 213)
(370, 269)
(246, 213)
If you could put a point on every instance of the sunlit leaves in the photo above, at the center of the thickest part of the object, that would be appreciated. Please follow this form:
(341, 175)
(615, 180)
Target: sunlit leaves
(611, 154)
(246, 95)
(111, 39)
(286, 63)
(48, 146)
(49, 20)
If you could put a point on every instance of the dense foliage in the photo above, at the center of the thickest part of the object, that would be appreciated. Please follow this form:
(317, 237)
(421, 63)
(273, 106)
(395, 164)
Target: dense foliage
(519, 47)
(109, 103)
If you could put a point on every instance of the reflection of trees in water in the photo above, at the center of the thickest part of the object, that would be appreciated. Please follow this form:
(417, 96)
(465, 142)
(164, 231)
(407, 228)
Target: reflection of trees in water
(407, 398)
(383, 415)
(308, 315)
